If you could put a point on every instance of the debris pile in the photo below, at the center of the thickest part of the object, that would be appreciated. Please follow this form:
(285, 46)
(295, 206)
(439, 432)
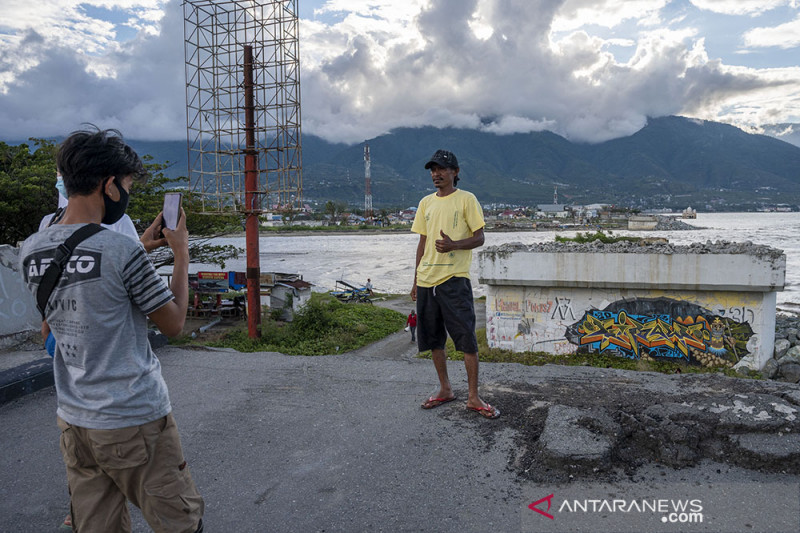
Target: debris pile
(642, 247)
(673, 224)
(785, 363)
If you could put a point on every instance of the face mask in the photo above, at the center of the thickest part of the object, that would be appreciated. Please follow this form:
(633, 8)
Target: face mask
(115, 210)
(62, 189)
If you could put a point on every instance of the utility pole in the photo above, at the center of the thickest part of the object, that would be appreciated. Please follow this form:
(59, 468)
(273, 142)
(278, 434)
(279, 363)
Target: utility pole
(367, 186)
(251, 202)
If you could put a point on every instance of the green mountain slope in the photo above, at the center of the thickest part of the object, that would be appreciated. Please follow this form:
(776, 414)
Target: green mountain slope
(672, 162)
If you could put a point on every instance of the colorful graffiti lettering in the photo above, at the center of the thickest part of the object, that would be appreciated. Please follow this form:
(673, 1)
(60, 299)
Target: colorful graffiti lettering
(629, 333)
(656, 335)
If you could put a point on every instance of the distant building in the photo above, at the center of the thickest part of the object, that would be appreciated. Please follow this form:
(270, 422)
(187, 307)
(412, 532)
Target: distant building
(287, 292)
(584, 212)
(642, 223)
(407, 215)
(271, 219)
(552, 210)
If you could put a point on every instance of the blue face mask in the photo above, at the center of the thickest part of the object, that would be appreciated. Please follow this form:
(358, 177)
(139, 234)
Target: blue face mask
(62, 189)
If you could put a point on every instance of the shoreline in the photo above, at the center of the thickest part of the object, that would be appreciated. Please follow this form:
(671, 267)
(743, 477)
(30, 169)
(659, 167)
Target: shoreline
(371, 231)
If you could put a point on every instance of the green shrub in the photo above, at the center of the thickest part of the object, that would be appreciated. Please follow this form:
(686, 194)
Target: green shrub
(324, 326)
(583, 238)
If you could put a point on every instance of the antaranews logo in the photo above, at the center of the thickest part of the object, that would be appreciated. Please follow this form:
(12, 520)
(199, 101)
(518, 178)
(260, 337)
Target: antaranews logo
(673, 511)
(634, 507)
(534, 506)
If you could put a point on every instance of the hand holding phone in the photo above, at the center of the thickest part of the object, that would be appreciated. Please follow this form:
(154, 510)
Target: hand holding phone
(172, 210)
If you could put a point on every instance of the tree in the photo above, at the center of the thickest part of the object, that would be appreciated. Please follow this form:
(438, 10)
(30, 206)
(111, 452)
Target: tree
(27, 193)
(289, 213)
(27, 188)
(146, 202)
(335, 210)
(383, 217)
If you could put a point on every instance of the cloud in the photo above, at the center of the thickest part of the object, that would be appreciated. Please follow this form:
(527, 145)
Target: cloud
(574, 14)
(740, 7)
(369, 66)
(135, 86)
(782, 36)
(510, 124)
(523, 75)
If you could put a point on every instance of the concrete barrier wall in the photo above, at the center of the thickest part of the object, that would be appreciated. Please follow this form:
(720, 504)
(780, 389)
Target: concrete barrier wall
(18, 312)
(700, 308)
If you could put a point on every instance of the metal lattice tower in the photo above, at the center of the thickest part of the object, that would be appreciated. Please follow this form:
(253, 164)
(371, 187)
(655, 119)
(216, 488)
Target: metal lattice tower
(216, 33)
(367, 185)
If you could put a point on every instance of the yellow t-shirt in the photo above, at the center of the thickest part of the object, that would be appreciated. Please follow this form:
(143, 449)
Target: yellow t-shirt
(459, 216)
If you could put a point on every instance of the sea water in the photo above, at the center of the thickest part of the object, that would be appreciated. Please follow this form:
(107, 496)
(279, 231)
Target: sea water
(388, 258)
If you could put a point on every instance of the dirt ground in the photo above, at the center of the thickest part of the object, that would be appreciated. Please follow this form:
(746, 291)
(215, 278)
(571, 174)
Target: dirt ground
(193, 324)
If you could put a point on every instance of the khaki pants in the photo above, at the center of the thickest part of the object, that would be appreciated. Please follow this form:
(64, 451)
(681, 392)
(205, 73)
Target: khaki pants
(143, 464)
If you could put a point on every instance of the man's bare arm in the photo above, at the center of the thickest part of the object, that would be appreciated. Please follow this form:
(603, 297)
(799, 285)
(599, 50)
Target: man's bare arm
(171, 317)
(420, 252)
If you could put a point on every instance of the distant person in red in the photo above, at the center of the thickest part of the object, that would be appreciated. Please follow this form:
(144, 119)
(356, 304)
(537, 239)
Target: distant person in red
(411, 323)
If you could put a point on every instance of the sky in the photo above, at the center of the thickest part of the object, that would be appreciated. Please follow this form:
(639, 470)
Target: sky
(589, 70)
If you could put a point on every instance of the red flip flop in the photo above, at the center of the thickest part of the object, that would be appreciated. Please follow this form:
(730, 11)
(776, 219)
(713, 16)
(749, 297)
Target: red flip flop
(432, 402)
(486, 412)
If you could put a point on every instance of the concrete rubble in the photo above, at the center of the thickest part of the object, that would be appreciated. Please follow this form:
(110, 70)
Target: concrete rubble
(647, 246)
(624, 420)
(673, 224)
(785, 363)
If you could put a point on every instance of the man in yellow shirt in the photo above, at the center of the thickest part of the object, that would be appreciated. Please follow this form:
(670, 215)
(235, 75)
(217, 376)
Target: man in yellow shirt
(453, 219)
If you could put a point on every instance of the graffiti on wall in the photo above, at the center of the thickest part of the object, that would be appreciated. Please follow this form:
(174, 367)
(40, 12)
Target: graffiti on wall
(662, 328)
(17, 308)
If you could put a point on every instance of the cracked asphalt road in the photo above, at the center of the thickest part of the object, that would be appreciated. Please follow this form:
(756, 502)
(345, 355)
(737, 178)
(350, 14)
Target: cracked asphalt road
(339, 443)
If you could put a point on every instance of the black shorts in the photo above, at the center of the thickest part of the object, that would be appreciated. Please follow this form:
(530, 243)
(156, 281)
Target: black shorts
(446, 309)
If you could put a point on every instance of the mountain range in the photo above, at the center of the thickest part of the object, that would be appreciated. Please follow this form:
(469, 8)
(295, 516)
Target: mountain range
(671, 162)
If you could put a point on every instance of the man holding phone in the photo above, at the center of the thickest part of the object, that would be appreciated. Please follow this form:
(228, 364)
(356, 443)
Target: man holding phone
(119, 439)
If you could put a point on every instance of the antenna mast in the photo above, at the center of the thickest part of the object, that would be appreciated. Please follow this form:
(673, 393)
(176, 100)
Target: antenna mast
(367, 185)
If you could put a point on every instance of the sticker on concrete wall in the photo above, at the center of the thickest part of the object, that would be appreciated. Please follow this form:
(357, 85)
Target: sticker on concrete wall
(662, 329)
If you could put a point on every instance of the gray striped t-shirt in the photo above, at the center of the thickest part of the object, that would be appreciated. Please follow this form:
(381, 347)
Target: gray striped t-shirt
(106, 374)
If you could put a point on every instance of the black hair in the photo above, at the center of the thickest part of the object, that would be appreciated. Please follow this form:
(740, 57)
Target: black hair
(87, 157)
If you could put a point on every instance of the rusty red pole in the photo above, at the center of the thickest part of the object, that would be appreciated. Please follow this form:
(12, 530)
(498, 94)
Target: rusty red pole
(251, 196)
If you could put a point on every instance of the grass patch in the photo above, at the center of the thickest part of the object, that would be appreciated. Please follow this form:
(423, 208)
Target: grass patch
(583, 238)
(496, 355)
(325, 326)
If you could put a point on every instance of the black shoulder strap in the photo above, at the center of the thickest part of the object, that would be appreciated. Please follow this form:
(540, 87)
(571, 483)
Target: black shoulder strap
(53, 273)
(56, 216)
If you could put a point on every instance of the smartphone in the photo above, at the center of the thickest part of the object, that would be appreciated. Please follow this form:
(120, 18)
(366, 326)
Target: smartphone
(172, 210)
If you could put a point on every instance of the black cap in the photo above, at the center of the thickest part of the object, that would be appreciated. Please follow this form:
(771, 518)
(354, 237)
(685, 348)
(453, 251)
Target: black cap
(444, 159)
